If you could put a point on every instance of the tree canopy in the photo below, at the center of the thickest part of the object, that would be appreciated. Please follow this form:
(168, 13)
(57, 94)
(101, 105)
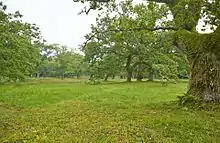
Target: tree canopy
(24, 53)
(201, 50)
(19, 46)
(136, 52)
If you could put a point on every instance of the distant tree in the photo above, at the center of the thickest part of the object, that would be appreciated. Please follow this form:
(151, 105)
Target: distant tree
(59, 61)
(101, 64)
(76, 64)
(46, 63)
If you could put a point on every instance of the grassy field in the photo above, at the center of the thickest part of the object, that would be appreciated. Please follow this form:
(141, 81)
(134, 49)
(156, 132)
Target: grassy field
(66, 111)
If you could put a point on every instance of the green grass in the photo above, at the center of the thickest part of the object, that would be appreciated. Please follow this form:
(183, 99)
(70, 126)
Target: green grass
(67, 111)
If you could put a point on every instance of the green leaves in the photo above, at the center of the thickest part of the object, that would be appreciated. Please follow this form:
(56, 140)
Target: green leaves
(18, 52)
(58, 61)
(115, 48)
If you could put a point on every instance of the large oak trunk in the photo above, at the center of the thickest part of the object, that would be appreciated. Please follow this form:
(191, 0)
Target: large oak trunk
(204, 83)
(203, 52)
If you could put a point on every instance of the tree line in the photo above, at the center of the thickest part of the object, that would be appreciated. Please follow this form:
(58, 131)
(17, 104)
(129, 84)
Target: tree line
(24, 53)
(127, 54)
(117, 47)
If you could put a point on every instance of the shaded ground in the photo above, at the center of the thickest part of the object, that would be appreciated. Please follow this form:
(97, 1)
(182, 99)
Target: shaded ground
(76, 112)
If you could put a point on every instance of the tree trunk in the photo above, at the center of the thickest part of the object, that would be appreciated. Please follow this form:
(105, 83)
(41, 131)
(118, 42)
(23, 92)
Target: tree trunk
(150, 76)
(121, 77)
(78, 76)
(45, 74)
(113, 77)
(129, 69)
(62, 73)
(38, 74)
(90, 77)
(129, 76)
(203, 53)
(139, 76)
(204, 81)
(106, 77)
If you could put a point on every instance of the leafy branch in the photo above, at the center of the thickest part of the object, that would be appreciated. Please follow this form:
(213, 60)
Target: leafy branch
(127, 30)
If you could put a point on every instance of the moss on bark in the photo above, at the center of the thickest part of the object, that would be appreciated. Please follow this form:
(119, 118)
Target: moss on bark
(203, 53)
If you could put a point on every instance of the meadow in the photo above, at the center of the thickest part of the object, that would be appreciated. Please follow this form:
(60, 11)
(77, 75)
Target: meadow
(72, 111)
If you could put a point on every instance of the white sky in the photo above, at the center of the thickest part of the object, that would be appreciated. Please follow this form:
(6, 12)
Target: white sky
(57, 19)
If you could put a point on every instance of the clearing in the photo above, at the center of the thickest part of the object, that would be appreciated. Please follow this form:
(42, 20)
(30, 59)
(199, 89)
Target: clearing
(68, 111)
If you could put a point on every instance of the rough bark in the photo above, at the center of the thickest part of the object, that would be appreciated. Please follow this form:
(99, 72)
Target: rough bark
(203, 53)
(204, 83)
